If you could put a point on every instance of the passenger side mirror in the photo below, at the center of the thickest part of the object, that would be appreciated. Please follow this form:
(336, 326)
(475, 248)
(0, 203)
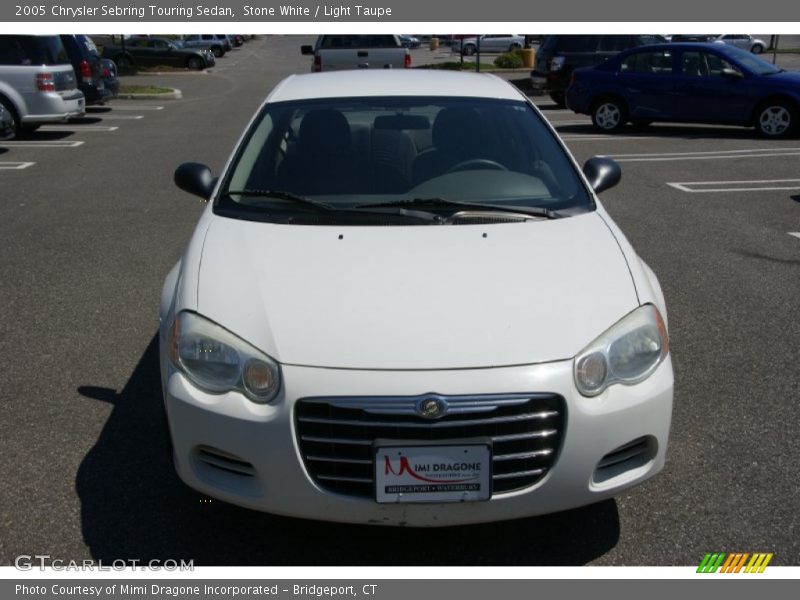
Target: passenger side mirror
(602, 172)
(196, 179)
(306, 50)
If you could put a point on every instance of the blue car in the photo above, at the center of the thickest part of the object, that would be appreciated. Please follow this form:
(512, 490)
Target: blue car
(688, 83)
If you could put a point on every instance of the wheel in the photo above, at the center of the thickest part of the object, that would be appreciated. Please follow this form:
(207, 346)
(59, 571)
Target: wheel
(559, 98)
(217, 51)
(776, 119)
(16, 130)
(757, 49)
(609, 115)
(123, 62)
(469, 50)
(195, 63)
(476, 163)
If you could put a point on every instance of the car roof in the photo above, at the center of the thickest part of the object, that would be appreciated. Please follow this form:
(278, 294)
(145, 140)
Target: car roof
(393, 82)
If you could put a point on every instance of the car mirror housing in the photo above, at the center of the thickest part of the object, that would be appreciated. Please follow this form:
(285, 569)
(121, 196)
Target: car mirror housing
(602, 172)
(195, 178)
(732, 74)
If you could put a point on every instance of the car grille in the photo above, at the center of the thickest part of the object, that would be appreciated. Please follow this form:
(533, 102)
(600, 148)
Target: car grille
(336, 435)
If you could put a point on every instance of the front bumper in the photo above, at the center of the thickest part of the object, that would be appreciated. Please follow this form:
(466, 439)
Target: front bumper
(264, 437)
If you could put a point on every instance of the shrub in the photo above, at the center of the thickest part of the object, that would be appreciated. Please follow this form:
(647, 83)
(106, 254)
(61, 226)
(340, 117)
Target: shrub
(509, 60)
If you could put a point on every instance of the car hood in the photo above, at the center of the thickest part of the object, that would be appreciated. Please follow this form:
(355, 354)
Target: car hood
(415, 297)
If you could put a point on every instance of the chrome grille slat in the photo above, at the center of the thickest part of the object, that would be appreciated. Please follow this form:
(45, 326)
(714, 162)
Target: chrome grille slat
(434, 424)
(522, 455)
(336, 435)
(519, 474)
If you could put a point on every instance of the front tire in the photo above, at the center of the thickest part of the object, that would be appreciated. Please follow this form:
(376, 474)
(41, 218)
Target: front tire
(469, 50)
(195, 63)
(757, 49)
(123, 63)
(560, 98)
(16, 127)
(217, 51)
(776, 119)
(609, 115)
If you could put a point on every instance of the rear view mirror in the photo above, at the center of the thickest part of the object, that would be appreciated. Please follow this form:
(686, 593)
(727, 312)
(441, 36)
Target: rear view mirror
(306, 50)
(196, 179)
(602, 172)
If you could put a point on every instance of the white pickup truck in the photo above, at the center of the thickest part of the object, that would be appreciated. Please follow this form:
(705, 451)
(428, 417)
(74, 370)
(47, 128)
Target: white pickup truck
(342, 52)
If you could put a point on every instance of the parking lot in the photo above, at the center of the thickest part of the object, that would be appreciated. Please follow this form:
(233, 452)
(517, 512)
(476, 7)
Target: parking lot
(92, 223)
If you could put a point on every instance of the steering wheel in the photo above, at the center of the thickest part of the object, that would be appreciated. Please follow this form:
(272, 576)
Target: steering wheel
(476, 163)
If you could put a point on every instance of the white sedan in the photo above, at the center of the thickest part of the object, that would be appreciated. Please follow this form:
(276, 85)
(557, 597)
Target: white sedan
(743, 41)
(404, 305)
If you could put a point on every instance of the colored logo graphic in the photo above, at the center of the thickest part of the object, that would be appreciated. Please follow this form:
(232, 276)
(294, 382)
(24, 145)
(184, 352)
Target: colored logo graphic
(734, 562)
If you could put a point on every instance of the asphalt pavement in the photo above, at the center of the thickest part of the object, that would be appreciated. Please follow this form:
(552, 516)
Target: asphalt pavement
(90, 230)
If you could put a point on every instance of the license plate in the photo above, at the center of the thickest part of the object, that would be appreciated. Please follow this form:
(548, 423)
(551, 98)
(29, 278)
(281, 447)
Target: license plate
(441, 473)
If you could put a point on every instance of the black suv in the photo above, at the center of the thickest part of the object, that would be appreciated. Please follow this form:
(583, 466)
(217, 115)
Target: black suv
(85, 60)
(558, 55)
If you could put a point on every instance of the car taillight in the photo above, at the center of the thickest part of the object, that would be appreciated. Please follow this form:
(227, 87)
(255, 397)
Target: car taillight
(317, 63)
(106, 72)
(45, 82)
(407, 62)
(86, 71)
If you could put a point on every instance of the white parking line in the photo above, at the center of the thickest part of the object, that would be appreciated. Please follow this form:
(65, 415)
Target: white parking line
(707, 155)
(559, 123)
(135, 107)
(43, 144)
(795, 234)
(609, 138)
(752, 185)
(15, 166)
(119, 117)
(78, 127)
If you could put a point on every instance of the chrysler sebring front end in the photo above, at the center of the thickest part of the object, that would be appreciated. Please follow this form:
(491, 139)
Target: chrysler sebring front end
(410, 309)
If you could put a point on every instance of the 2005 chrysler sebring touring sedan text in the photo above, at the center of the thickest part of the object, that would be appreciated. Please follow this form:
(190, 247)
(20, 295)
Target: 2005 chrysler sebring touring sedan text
(404, 305)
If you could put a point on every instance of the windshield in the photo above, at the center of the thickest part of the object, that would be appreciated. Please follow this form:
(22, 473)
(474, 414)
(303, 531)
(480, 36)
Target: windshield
(350, 153)
(749, 61)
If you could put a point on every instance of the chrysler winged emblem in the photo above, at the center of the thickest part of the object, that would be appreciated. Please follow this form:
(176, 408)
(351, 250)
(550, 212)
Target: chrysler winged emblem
(432, 408)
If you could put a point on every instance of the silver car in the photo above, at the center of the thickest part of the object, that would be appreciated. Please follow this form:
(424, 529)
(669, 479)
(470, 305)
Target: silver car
(745, 42)
(502, 42)
(37, 81)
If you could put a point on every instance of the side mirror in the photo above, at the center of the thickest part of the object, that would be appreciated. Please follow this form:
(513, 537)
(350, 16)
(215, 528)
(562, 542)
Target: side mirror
(602, 172)
(196, 179)
(732, 74)
(306, 50)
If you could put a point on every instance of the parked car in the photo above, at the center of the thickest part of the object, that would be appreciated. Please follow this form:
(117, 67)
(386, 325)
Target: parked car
(558, 55)
(409, 41)
(154, 51)
(693, 83)
(86, 61)
(217, 46)
(502, 42)
(693, 37)
(110, 79)
(745, 42)
(236, 39)
(37, 81)
(405, 305)
(7, 129)
(342, 52)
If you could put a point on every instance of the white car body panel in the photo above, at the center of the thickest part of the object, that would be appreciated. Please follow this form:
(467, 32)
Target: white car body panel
(415, 297)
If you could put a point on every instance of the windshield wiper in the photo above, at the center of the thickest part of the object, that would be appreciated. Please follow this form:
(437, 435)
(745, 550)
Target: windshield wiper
(533, 211)
(282, 195)
(323, 207)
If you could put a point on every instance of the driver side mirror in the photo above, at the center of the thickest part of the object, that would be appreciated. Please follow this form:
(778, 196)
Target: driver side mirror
(602, 172)
(733, 74)
(196, 179)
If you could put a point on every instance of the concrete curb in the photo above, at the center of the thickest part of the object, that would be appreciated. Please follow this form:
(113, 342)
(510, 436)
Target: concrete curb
(175, 94)
(179, 73)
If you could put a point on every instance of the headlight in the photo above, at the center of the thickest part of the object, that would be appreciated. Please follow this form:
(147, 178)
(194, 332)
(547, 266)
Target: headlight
(217, 361)
(557, 63)
(627, 353)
